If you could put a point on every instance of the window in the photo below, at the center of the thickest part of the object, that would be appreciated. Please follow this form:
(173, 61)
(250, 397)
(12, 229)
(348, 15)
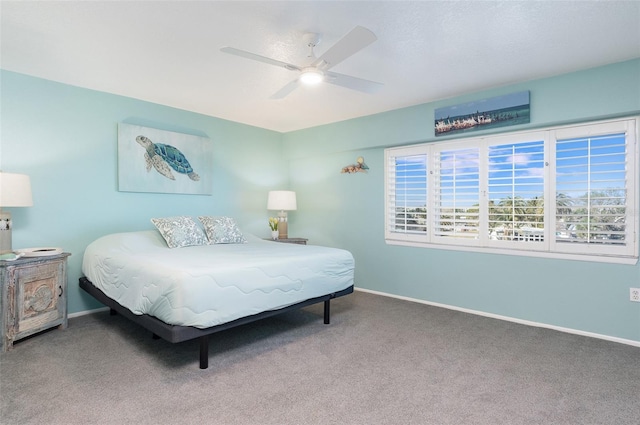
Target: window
(456, 193)
(411, 185)
(566, 192)
(407, 193)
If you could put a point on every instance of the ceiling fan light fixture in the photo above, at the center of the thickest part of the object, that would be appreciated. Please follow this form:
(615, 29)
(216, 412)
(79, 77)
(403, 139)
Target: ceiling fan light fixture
(317, 70)
(311, 76)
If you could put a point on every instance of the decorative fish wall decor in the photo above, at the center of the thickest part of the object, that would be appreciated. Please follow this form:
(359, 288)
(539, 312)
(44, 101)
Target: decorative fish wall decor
(358, 167)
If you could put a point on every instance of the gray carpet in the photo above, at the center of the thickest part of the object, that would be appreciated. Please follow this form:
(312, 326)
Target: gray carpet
(380, 361)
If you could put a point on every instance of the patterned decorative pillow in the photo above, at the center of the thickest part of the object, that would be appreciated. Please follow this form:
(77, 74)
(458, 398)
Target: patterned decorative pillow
(180, 231)
(222, 230)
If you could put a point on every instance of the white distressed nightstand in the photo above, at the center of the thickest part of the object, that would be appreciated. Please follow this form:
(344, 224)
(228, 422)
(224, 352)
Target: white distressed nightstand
(33, 296)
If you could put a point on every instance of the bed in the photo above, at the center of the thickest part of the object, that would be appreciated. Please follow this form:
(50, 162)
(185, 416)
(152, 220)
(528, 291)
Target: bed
(194, 291)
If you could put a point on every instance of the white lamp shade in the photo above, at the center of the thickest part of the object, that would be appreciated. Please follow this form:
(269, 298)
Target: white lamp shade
(15, 190)
(281, 200)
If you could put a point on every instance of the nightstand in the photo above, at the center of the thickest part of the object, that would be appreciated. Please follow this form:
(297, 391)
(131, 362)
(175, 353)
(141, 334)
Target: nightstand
(299, 241)
(33, 296)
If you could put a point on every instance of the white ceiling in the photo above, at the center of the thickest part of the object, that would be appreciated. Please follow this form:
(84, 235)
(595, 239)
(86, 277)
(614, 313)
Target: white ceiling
(168, 52)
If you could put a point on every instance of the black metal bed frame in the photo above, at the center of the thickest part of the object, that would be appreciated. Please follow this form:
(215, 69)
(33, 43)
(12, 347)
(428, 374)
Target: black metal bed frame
(175, 333)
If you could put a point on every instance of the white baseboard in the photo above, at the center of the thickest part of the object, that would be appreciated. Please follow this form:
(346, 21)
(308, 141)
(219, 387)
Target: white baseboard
(464, 310)
(508, 319)
(85, 312)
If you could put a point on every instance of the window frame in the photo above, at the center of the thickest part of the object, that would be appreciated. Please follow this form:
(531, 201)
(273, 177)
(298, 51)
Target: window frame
(549, 247)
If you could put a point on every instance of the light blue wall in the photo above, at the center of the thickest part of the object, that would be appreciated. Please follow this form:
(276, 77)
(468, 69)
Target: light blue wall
(65, 139)
(346, 210)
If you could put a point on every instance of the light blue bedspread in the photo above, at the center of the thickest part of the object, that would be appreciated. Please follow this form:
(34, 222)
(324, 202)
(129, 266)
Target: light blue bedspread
(203, 286)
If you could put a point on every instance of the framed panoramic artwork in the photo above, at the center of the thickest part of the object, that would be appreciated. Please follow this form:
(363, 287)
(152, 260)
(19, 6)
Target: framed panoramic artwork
(152, 160)
(500, 111)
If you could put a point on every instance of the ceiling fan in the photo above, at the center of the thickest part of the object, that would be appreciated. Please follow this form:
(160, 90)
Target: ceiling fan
(318, 70)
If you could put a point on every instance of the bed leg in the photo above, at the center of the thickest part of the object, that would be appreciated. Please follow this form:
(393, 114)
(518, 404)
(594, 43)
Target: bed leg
(326, 312)
(112, 312)
(204, 352)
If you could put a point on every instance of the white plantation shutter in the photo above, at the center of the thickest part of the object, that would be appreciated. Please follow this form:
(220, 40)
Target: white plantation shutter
(567, 192)
(406, 194)
(456, 194)
(516, 192)
(595, 189)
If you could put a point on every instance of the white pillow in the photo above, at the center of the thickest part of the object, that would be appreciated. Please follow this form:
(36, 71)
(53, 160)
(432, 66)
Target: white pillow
(180, 231)
(222, 230)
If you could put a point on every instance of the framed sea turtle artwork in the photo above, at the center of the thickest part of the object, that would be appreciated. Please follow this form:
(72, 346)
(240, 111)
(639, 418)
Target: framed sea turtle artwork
(152, 160)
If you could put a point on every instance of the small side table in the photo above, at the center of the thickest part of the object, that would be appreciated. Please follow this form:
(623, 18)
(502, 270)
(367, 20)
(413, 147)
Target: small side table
(34, 296)
(299, 241)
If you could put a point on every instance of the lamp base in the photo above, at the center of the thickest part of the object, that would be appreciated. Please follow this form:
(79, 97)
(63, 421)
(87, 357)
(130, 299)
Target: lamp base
(282, 225)
(282, 230)
(5, 232)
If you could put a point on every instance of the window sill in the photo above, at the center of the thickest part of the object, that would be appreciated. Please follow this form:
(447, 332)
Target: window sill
(522, 253)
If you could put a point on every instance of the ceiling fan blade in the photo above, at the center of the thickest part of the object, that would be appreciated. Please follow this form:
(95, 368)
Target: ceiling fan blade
(284, 91)
(253, 56)
(353, 83)
(353, 42)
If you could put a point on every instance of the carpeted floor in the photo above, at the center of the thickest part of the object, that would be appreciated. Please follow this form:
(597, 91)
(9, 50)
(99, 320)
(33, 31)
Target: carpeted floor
(380, 361)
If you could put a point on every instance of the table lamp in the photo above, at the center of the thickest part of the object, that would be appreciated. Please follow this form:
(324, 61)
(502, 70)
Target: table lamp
(282, 201)
(15, 191)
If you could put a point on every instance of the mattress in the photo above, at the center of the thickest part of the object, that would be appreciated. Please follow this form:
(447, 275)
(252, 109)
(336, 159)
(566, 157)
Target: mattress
(204, 286)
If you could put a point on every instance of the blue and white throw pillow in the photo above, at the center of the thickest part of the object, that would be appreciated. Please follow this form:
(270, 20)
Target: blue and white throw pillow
(180, 231)
(222, 230)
